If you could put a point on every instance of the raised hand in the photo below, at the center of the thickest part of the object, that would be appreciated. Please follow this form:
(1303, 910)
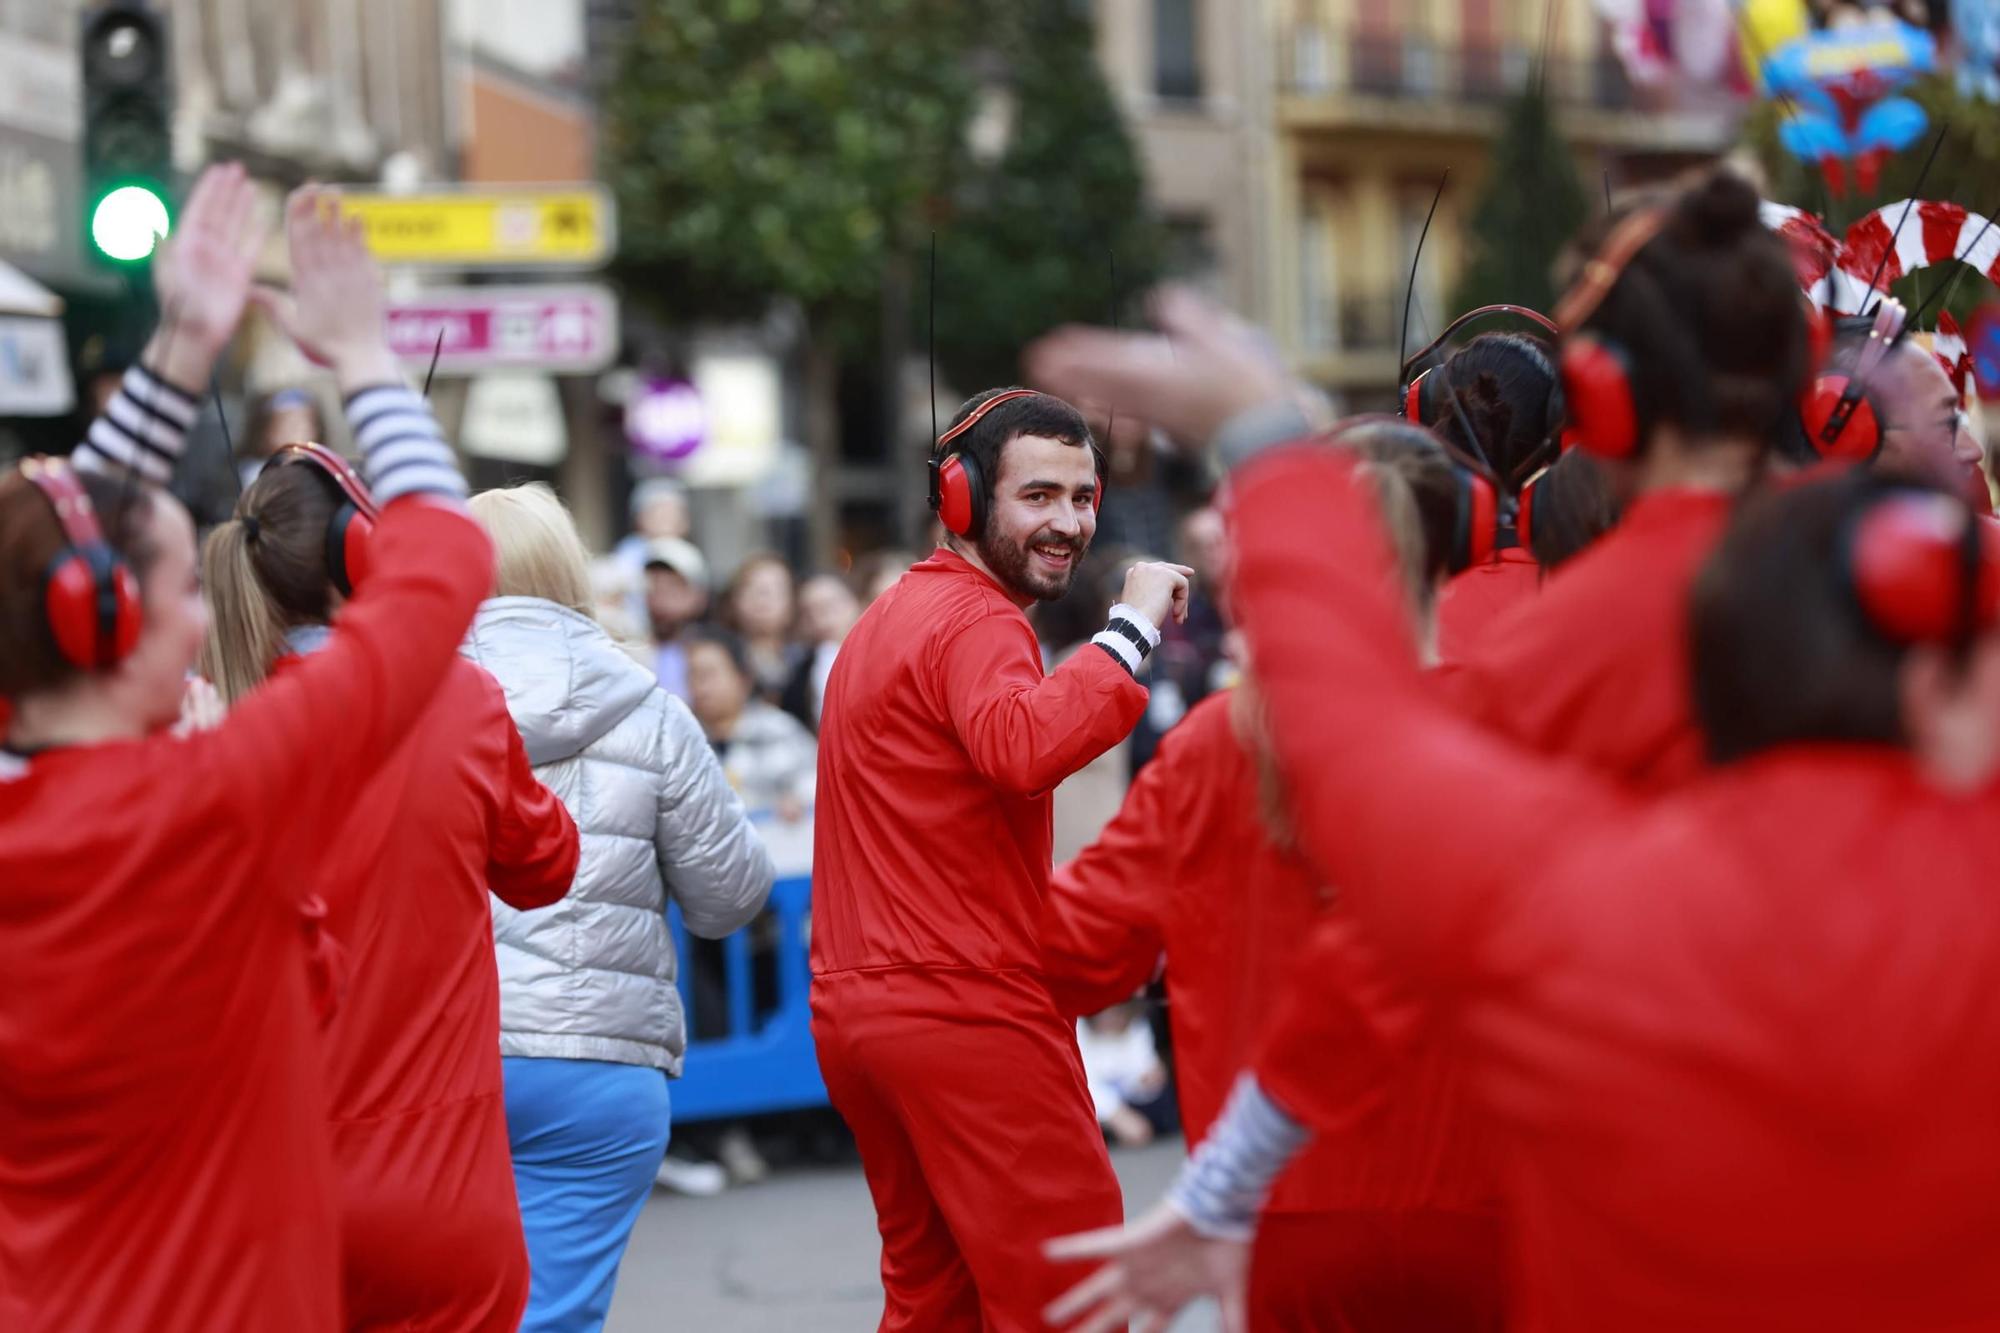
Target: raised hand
(1201, 368)
(334, 310)
(1156, 591)
(201, 274)
(1153, 1266)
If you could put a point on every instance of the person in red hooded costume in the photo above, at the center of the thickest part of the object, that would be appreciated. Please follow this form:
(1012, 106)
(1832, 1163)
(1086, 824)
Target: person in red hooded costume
(164, 1162)
(941, 741)
(430, 1227)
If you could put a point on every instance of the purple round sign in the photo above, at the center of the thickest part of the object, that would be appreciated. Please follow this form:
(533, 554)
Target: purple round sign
(665, 421)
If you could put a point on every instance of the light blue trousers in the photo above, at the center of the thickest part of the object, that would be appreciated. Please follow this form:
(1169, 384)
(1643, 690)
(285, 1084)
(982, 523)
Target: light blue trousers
(587, 1137)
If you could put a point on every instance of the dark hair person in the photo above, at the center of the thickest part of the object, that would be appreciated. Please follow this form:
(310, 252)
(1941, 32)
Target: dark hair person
(163, 1149)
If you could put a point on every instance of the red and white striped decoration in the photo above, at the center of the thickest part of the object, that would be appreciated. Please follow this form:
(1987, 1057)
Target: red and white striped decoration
(1937, 231)
(1813, 247)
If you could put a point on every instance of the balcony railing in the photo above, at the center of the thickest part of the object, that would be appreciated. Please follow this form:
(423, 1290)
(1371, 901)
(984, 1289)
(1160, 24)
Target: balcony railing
(1318, 60)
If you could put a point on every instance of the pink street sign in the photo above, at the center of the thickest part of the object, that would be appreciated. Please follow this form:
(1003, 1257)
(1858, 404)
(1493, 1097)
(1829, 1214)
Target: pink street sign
(563, 330)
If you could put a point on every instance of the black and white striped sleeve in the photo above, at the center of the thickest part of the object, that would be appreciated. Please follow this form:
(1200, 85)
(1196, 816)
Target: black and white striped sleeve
(402, 450)
(1223, 1186)
(144, 428)
(1129, 637)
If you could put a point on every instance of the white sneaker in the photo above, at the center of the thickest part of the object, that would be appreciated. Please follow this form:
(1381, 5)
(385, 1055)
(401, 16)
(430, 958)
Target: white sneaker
(698, 1180)
(740, 1158)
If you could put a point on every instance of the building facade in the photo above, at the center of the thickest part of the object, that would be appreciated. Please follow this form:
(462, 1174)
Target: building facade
(1375, 100)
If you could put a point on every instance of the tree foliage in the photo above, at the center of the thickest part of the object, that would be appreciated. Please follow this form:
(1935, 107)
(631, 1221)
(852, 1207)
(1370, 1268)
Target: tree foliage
(1532, 204)
(765, 149)
(779, 148)
(1059, 228)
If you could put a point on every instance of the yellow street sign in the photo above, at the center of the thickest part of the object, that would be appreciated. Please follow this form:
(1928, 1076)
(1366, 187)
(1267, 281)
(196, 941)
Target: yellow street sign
(565, 226)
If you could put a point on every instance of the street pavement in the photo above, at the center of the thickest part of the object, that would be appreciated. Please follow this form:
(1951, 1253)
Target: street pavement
(796, 1254)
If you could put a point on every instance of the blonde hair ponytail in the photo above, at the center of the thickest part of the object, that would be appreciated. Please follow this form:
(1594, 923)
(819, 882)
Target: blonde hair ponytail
(245, 631)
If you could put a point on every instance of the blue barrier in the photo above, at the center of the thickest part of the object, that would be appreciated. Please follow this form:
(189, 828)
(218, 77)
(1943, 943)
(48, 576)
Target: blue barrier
(766, 1061)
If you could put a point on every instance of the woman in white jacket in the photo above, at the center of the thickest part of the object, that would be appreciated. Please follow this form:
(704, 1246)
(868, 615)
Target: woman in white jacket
(590, 1021)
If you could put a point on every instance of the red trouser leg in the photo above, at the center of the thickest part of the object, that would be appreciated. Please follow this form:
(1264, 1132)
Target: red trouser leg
(1377, 1272)
(967, 1100)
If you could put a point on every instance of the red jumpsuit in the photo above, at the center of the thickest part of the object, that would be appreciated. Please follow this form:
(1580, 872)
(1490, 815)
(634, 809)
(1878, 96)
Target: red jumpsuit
(1592, 667)
(163, 1152)
(1595, 667)
(430, 1229)
(940, 745)
(1738, 1038)
(1471, 602)
(1188, 868)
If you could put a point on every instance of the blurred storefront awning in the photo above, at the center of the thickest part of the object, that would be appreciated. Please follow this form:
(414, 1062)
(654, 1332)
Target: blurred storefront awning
(34, 359)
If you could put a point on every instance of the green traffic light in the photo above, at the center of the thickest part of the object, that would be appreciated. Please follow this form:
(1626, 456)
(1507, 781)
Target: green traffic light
(128, 222)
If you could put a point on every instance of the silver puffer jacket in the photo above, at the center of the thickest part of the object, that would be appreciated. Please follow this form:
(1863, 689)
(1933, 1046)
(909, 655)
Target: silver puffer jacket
(592, 978)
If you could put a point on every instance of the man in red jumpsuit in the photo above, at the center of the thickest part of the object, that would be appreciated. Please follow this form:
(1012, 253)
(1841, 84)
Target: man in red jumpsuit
(941, 743)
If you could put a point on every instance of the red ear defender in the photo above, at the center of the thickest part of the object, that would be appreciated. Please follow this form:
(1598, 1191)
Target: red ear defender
(1479, 521)
(90, 599)
(957, 504)
(1838, 418)
(353, 522)
(1909, 560)
(1413, 399)
(1841, 427)
(1597, 387)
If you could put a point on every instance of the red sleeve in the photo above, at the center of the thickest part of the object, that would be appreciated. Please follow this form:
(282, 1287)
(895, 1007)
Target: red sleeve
(308, 737)
(1101, 938)
(532, 861)
(1428, 826)
(1025, 732)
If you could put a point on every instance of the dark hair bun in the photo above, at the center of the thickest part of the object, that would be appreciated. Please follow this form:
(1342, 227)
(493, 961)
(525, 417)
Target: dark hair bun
(1719, 210)
(1486, 410)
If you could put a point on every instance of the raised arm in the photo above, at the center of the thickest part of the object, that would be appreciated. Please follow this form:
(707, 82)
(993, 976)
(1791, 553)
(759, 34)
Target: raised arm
(201, 275)
(1430, 826)
(1026, 732)
(311, 734)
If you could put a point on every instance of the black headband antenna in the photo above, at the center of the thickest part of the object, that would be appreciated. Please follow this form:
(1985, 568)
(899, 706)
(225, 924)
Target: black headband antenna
(930, 338)
(1410, 289)
(1909, 206)
(215, 392)
(436, 352)
(1964, 258)
(1111, 413)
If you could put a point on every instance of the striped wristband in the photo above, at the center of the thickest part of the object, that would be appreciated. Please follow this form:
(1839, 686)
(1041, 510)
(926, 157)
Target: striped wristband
(144, 428)
(402, 450)
(1129, 637)
(1223, 1186)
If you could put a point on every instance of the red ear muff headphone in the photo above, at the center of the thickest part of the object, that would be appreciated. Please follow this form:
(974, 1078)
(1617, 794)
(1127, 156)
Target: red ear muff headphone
(959, 492)
(1839, 420)
(1480, 509)
(1925, 569)
(1419, 402)
(353, 522)
(1477, 531)
(1596, 373)
(89, 597)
